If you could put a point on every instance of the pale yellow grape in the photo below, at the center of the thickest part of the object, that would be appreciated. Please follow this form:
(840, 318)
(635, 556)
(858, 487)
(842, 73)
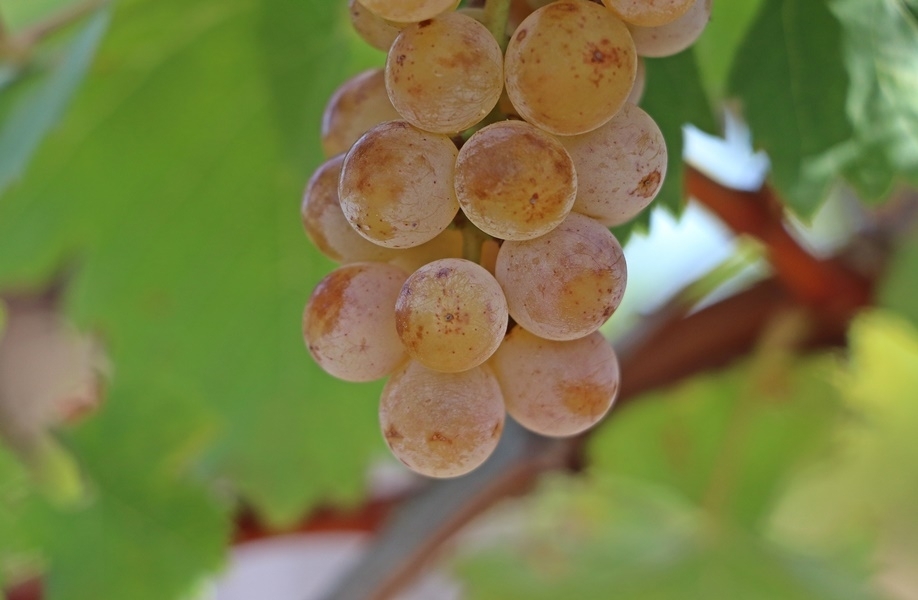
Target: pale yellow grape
(556, 388)
(447, 244)
(396, 187)
(514, 181)
(640, 82)
(408, 11)
(325, 223)
(444, 74)
(565, 284)
(374, 30)
(451, 315)
(569, 66)
(441, 424)
(358, 104)
(349, 321)
(673, 37)
(620, 166)
(648, 13)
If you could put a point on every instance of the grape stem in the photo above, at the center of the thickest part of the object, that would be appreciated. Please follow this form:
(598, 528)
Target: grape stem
(497, 13)
(472, 240)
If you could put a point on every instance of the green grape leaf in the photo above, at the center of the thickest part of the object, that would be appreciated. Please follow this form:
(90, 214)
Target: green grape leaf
(727, 442)
(881, 50)
(717, 46)
(674, 97)
(793, 85)
(29, 109)
(589, 537)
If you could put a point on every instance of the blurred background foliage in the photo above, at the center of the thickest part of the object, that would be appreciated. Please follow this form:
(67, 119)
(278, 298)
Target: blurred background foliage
(152, 155)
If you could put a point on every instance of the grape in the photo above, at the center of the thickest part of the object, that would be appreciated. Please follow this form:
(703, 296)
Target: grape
(441, 424)
(325, 223)
(648, 14)
(620, 166)
(349, 321)
(565, 284)
(444, 74)
(451, 315)
(569, 66)
(359, 104)
(673, 37)
(447, 244)
(374, 30)
(514, 181)
(396, 186)
(640, 81)
(556, 388)
(408, 11)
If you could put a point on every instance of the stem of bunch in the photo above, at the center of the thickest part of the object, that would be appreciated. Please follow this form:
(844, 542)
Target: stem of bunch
(497, 12)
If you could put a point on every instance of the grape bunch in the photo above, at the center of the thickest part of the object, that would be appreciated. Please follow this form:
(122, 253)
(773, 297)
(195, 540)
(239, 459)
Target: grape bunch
(468, 193)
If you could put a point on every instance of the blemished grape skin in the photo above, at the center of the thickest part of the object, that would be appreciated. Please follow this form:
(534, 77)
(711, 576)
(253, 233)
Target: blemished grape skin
(569, 67)
(349, 322)
(620, 166)
(648, 14)
(673, 37)
(556, 388)
(359, 104)
(514, 181)
(441, 424)
(325, 224)
(374, 30)
(408, 11)
(565, 284)
(451, 315)
(397, 185)
(444, 74)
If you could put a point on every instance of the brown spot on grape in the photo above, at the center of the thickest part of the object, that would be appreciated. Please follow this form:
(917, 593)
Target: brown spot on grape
(497, 429)
(392, 433)
(425, 23)
(437, 436)
(328, 299)
(585, 399)
(400, 60)
(648, 185)
(521, 35)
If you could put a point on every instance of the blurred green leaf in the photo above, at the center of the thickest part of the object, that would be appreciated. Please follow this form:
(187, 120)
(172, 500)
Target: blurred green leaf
(40, 102)
(881, 50)
(667, 79)
(900, 284)
(717, 46)
(793, 85)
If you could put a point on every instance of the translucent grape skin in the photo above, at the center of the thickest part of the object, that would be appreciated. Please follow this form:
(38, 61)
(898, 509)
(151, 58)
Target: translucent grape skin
(374, 30)
(444, 74)
(447, 244)
(359, 104)
(408, 11)
(620, 166)
(397, 185)
(648, 14)
(673, 37)
(556, 388)
(325, 224)
(349, 322)
(514, 181)
(640, 82)
(441, 424)
(565, 284)
(569, 67)
(451, 315)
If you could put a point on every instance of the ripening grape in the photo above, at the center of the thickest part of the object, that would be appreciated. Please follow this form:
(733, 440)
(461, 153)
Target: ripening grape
(451, 315)
(640, 82)
(444, 74)
(374, 30)
(565, 284)
(620, 166)
(448, 244)
(648, 14)
(325, 223)
(514, 181)
(556, 388)
(569, 66)
(408, 11)
(673, 37)
(441, 424)
(396, 187)
(358, 104)
(349, 321)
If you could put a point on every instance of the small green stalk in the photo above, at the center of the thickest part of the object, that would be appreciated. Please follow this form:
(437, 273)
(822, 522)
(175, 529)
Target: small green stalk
(497, 12)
